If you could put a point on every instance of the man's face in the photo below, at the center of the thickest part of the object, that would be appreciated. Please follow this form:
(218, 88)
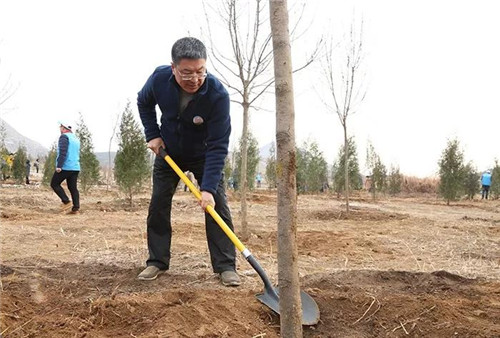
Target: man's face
(190, 74)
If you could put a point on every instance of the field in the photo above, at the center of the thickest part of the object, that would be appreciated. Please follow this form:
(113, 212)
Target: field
(395, 267)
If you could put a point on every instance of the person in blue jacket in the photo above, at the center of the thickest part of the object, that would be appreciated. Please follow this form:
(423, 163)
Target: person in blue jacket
(194, 130)
(486, 183)
(67, 168)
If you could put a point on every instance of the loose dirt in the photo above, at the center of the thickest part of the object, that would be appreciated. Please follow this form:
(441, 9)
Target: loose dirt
(393, 267)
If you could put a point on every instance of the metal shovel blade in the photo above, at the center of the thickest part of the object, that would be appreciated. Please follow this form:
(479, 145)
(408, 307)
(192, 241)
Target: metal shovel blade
(310, 310)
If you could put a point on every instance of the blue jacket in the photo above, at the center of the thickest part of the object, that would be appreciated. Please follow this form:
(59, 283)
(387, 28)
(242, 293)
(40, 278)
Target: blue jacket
(486, 179)
(201, 131)
(68, 152)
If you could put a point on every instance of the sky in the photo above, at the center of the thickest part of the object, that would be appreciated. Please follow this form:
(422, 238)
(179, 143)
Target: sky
(432, 73)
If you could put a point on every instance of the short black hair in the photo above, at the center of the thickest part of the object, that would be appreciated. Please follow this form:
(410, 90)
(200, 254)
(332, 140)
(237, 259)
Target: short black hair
(188, 48)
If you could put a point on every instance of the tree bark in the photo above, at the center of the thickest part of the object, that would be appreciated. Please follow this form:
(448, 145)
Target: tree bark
(243, 174)
(346, 167)
(288, 276)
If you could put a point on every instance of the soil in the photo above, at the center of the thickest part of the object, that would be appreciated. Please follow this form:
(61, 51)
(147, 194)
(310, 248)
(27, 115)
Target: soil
(392, 267)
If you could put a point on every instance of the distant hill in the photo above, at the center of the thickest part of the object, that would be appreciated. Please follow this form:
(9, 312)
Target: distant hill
(13, 139)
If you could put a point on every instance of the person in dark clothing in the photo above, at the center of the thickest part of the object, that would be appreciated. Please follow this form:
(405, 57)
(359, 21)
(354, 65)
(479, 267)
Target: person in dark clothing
(195, 129)
(28, 169)
(67, 168)
(36, 165)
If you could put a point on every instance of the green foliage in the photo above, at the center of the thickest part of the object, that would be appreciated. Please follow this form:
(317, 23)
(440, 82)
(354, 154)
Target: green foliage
(312, 171)
(89, 172)
(19, 164)
(471, 179)
(378, 170)
(451, 171)
(50, 165)
(338, 169)
(395, 181)
(252, 160)
(271, 176)
(132, 167)
(495, 181)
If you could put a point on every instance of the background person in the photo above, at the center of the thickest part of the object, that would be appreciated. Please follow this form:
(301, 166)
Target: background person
(486, 183)
(67, 168)
(195, 129)
(28, 169)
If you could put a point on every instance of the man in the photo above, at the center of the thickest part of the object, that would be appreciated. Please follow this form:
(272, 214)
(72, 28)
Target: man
(195, 129)
(67, 168)
(486, 183)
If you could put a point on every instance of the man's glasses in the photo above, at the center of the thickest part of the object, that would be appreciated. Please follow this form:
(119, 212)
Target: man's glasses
(191, 76)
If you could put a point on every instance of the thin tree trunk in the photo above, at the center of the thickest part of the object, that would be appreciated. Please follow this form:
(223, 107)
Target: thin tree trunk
(346, 167)
(243, 174)
(288, 276)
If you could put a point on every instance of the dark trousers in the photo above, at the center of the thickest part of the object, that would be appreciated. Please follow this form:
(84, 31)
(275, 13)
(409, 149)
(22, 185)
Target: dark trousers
(71, 178)
(159, 227)
(486, 189)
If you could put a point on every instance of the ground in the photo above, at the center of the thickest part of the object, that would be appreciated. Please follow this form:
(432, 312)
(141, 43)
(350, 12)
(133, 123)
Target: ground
(394, 267)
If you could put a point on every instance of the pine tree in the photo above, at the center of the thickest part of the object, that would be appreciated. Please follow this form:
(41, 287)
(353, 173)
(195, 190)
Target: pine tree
(89, 165)
(252, 160)
(50, 166)
(451, 171)
(131, 162)
(271, 167)
(378, 169)
(395, 181)
(19, 164)
(312, 169)
(495, 181)
(338, 168)
(471, 179)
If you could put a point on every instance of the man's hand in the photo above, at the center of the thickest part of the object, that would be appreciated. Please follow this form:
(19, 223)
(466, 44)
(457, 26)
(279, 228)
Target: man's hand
(58, 170)
(206, 200)
(155, 145)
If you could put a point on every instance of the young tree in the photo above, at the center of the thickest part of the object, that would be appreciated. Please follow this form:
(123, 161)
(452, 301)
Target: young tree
(252, 163)
(312, 171)
(288, 273)
(50, 165)
(338, 170)
(471, 179)
(451, 171)
(132, 161)
(378, 169)
(495, 181)
(271, 167)
(395, 181)
(19, 164)
(345, 79)
(89, 172)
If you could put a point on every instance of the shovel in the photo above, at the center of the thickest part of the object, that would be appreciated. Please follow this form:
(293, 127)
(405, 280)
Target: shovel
(270, 297)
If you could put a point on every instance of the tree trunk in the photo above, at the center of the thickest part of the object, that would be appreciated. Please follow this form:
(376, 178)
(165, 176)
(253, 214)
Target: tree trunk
(288, 275)
(346, 167)
(245, 234)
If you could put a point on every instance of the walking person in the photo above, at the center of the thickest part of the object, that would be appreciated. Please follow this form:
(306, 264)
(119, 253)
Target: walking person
(67, 168)
(486, 183)
(195, 129)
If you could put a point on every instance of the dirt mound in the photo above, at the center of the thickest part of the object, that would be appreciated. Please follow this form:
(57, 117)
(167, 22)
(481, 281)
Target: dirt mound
(101, 300)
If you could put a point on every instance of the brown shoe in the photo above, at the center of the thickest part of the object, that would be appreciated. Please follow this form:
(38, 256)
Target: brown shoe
(74, 212)
(230, 278)
(65, 207)
(150, 273)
